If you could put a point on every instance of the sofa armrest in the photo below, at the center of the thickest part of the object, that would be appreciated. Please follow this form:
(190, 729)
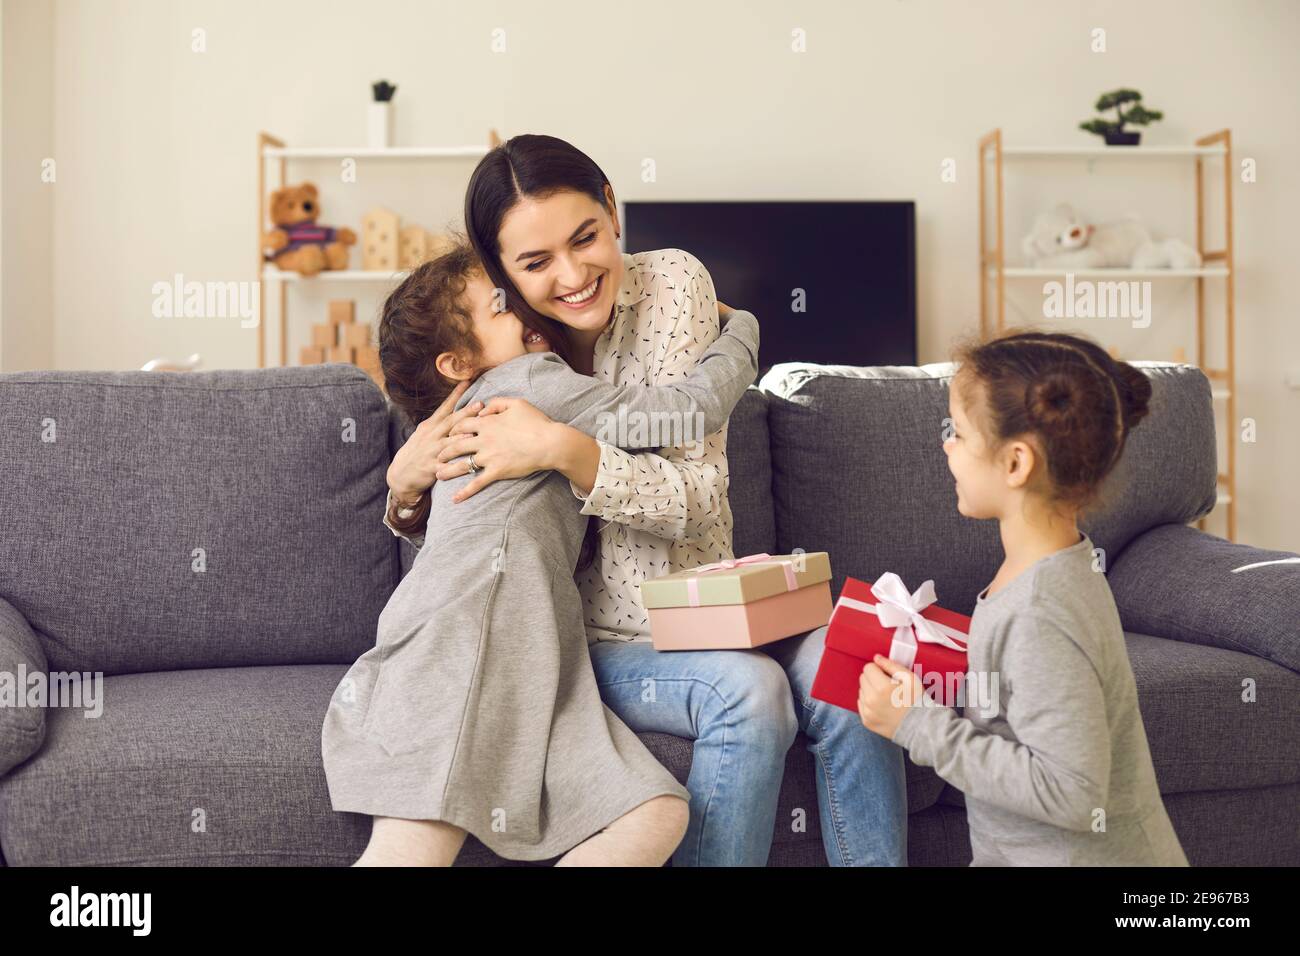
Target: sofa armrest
(1177, 582)
(22, 728)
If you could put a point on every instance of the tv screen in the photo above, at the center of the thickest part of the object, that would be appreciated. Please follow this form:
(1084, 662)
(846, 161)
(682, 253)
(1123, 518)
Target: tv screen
(830, 282)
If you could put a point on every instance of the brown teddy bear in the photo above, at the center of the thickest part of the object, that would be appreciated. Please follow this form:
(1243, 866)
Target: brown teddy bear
(298, 243)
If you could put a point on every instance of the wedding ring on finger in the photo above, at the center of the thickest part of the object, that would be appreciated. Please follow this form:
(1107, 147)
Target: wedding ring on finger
(473, 468)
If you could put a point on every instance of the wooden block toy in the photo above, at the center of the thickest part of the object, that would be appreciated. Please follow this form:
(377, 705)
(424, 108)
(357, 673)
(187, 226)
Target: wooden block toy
(311, 355)
(368, 358)
(342, 311)
(379, 240)
(415, 243)
(346, 340)
(439, 243)
(324, 336)
(356, 334)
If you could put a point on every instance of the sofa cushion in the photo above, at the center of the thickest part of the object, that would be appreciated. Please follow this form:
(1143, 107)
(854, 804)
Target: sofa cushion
(159, 520)
(858, 469)
(22, 716)
(199, 767)
(101, 791)
(151, 782)
(1215, 719)
(1180, 583)
(749, 467)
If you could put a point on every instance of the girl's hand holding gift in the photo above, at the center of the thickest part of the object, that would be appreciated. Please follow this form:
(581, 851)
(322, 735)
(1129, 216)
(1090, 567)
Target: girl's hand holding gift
(886, 691)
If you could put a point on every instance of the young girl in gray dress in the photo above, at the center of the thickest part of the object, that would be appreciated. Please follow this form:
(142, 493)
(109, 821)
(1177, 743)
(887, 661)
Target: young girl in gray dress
(1054, 764)
(478, 705)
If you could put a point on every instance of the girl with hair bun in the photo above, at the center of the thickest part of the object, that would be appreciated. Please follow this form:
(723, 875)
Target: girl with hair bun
(1054, 763)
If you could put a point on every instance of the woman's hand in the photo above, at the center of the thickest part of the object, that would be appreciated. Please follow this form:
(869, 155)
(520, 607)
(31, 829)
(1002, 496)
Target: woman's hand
(509, 439)
(413, 469)
(724, 312)
(885, 692)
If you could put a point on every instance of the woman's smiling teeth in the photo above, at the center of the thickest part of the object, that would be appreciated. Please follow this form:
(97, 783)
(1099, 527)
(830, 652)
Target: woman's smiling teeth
(582, 296)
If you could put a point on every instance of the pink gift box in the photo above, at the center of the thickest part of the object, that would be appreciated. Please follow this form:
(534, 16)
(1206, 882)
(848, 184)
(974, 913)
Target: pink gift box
(801, 602)
(741, 625)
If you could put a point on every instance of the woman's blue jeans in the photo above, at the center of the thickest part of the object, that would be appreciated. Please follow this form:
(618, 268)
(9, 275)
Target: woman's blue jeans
(743, 708)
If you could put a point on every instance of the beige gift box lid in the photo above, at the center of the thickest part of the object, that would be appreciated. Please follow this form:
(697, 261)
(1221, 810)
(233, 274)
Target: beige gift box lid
(753, 578)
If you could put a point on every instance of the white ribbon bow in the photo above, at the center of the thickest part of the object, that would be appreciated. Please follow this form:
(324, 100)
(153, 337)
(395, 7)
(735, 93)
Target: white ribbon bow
(900, 610)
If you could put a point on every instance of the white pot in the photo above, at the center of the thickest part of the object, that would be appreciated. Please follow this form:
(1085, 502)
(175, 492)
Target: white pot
(381, 124)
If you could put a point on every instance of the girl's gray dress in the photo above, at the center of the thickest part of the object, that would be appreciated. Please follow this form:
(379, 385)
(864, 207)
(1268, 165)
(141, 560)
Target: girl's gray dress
(478, 704)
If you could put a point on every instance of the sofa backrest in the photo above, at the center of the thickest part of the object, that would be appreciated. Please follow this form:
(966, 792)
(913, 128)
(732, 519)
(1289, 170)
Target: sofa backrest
(858, 470)
(749, 467)
(163, 520)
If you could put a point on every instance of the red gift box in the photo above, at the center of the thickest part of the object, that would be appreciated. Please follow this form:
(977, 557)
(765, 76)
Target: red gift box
(883, 618)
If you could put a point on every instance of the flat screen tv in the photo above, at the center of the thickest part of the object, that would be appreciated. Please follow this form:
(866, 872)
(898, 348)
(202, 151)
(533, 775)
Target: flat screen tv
(831, 282)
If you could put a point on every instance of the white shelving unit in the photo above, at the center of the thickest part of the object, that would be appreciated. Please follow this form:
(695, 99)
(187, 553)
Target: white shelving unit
(374, 152)
(273, 150)
(272, 274)
(1022, 273)
(1217, 264)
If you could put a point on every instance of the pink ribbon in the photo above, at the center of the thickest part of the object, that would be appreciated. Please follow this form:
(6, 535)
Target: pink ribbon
(729, 564)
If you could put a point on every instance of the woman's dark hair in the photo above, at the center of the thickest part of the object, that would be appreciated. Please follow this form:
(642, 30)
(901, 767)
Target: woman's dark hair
(422, 318)
(1073, 399)
(532, 166)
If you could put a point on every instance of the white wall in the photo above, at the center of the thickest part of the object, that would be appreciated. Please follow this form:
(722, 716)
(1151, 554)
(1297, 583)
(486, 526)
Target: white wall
(27, 108)
(155, 145)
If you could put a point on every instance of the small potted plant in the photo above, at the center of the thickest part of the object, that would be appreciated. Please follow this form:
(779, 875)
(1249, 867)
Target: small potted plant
(381, 114)
(1114, 132)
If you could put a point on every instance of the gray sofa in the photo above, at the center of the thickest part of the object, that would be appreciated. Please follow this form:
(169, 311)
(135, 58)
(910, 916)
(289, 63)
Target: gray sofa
(211, 542)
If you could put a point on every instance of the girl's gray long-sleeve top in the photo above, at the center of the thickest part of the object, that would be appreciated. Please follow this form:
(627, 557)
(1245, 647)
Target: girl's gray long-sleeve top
(1049, 748)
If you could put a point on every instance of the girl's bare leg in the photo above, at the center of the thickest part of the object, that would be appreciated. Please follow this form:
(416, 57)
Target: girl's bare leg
(398, 842)
(644, 836)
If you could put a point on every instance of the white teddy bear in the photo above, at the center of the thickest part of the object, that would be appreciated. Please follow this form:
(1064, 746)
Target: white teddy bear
(1061, 241)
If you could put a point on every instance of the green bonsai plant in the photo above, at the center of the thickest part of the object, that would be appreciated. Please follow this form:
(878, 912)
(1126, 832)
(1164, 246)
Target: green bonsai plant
(1114, 132)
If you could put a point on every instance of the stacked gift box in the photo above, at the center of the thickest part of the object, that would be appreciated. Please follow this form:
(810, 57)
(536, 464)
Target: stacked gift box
(739, 602)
